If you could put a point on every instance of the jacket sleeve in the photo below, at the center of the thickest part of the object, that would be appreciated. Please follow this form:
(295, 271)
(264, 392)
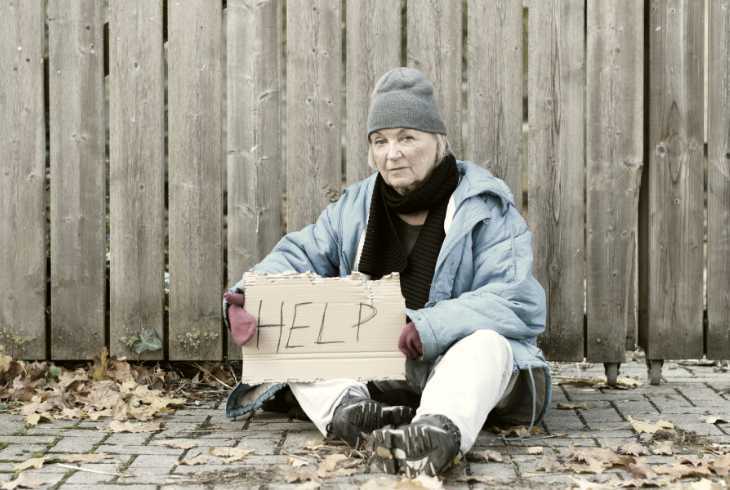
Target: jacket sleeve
(505, 296)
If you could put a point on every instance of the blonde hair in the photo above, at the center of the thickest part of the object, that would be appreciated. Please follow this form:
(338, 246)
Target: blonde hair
(442, 149)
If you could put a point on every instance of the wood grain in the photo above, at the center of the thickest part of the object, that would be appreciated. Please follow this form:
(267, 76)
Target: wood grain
(614, 155)
(495, 90)
(718, 183)
(196, 162)
(255, 165)
(672, 327)
(435, 40)
(556, 154)
(78, 178)
(137, 181)
(313, 103)
(22, 181)
(373, 47)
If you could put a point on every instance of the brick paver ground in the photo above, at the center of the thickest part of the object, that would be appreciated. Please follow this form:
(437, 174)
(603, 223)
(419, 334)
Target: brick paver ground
(147, 460)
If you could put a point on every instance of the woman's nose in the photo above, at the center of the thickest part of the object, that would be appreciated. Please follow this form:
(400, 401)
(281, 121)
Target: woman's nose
(394, 152)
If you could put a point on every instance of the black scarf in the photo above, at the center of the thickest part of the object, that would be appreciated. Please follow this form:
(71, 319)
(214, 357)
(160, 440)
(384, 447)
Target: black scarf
(383, 252)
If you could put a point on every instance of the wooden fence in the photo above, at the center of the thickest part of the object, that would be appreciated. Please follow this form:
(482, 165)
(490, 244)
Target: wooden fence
(206, 128)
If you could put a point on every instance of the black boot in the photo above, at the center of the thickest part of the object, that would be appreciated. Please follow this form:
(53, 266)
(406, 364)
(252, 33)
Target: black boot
(356, 416)
(429, 445)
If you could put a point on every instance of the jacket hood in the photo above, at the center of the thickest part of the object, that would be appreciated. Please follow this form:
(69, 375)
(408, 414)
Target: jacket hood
(478, 180)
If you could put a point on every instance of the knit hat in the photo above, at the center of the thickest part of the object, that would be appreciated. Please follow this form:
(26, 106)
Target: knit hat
(403, 98)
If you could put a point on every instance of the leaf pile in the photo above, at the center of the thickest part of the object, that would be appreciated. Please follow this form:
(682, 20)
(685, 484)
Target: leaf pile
(597, 460)
(108, 388)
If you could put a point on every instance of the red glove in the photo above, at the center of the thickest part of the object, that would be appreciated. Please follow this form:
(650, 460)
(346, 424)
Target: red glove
(242, 323)
(409, 342)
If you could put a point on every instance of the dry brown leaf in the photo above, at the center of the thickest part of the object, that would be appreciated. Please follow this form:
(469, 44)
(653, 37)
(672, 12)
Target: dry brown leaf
(650, 483)
(518, 431)
(5, 361)
(572, 406)
(296, 462)
(595, 459)
(329, 464)
(423, 482)
(677, 470)
(30, 463)
(632, 449)
(641, 470)
(488, 455)
(705, 484)
(534, 450)
(721, 465)
(134, 427)
(177, 444)
(230, 454)
(550, 464)
(663, 448)
(23, 481)
(715, 420)
(641, 426)
(295, 475)
(200, 459)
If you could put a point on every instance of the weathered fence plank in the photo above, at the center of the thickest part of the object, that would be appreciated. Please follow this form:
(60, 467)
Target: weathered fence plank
(435, 47)
(313, 102)
(78, 178)
(614, 146)
(494, 94)
(718, 183)
(373, 47)
(22, 181)
(556, 153)
(255, 166)
(672, 327)
(195, 165)
(137, 181)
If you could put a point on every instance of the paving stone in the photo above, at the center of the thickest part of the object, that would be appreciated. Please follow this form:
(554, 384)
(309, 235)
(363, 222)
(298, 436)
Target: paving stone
(107, 486)
(127, 439)
(197, 442)
(152, 461)
(76, 444)
(138, 450)
(38, 440)
(11, 424)
(87, 478)
(16, 452)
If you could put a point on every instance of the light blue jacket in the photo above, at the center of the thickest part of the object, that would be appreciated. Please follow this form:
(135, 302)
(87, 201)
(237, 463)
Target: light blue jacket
(483, 279)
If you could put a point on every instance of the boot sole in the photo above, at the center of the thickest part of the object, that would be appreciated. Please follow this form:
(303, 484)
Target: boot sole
(412, 450)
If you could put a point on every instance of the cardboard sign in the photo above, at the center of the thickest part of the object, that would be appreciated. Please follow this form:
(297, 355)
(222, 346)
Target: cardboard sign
(313, 328)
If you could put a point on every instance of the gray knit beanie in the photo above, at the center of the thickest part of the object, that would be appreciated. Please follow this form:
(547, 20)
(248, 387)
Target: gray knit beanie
(403, 98)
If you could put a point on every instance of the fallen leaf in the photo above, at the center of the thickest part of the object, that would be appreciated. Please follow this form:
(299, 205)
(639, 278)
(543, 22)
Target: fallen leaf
(641, 426)
(294, 475)
(310, 485)
(177, 444)
(549, 464)
(678, 470)
(721, 465)
(589, 485)
(595, 459)
(641, 470)
(705, 484)
(5, 361)
(488, 455)
(230, 454)
(632, 449)
(651, 483)
(534, 450)
(517, 431)
(33, 419)
(663, 448)
(23, 481)
(715, 420)
(572, 406)
(296, 462)
(423, 482)
(30, 463)
(200, 459)
(134, 427)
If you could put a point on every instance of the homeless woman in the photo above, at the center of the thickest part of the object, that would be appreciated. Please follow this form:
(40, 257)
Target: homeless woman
(473, 307)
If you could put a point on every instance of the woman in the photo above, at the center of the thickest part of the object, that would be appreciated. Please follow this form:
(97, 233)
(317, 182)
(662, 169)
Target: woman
(473, 307)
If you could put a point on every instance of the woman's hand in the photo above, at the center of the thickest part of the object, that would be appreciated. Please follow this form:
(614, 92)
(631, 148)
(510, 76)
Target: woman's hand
(242, 323)
(409, 342)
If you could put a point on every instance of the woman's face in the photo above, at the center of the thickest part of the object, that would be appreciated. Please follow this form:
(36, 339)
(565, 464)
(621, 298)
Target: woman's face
(404, 157)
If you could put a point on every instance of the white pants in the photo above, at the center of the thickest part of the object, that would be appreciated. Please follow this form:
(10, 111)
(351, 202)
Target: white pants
(466, 383)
